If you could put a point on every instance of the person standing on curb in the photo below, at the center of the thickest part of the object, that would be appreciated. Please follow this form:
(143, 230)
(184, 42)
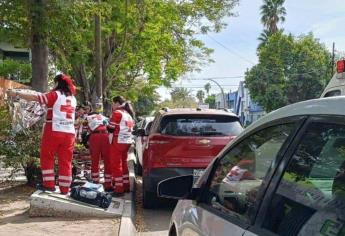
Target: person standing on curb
(120, 128)
(58, 131)
(99, 147)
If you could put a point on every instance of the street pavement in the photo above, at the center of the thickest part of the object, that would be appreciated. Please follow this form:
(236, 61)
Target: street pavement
(152, 222)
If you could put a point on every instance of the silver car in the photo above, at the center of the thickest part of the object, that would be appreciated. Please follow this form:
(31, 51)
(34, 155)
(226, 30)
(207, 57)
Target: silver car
(284, 175)
(143, 127)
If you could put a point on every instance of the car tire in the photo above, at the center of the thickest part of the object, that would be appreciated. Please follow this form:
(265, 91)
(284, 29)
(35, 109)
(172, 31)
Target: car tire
(149, 199)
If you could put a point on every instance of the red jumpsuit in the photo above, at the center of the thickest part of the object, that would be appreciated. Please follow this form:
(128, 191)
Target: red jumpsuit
(122, 123)
(58, 138)
(99, 148)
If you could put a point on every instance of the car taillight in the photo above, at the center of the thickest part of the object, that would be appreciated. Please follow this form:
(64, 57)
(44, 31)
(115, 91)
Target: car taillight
(341, 66)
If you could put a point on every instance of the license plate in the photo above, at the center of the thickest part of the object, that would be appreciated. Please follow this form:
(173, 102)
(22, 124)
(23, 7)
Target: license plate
(196, 174)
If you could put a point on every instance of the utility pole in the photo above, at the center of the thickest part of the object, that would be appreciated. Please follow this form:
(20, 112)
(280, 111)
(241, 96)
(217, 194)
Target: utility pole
(333, 56)
(98, 58)
(221, 89)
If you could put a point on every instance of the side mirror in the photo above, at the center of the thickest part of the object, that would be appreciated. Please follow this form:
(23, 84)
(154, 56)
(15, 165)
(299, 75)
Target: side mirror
(180, 187)
(139, 132)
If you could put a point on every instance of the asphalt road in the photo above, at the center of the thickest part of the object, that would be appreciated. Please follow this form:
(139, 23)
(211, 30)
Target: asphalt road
(153, 222)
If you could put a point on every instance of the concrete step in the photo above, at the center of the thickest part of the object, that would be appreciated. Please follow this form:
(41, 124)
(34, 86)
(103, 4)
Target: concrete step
(58, 205)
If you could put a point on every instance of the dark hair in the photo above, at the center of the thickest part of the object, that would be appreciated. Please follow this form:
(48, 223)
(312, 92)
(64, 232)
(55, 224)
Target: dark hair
(62, 85)
(87, 104)
(119, 99)
(127, 106)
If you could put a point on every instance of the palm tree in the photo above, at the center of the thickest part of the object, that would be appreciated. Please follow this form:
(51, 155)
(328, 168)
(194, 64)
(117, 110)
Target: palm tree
(180, 94)
(264, 36)
(272, 12)
(200, 95)
(207, 88)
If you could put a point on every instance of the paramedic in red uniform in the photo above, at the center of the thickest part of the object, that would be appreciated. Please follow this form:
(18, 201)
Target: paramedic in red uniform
(58, 132)
(99, 148)
(120, 128)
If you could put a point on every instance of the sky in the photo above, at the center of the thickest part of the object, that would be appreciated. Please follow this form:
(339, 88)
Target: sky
(235, 46)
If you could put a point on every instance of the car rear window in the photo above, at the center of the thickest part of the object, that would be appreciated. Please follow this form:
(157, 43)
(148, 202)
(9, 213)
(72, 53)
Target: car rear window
(198, 125)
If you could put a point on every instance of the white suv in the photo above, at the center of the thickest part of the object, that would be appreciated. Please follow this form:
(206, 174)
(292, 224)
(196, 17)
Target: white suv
(284, 175)
(140, 141)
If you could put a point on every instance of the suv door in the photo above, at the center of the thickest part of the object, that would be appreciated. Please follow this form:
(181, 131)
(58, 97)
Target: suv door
(310, 196)
(237, 183)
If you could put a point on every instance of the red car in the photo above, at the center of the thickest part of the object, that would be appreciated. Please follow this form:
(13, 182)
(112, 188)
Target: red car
(183, 142)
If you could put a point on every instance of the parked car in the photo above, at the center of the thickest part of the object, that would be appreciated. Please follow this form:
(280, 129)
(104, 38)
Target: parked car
(183, 141)
(284, 175)
(140, 141)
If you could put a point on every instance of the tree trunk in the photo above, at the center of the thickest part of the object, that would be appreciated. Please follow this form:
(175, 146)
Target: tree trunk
(39, 48)
(85, 83)
(98, 60)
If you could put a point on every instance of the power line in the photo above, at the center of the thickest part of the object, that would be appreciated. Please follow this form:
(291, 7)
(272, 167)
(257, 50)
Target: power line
(247, 60)
(229, 85)
(208, 78)
(230, 50)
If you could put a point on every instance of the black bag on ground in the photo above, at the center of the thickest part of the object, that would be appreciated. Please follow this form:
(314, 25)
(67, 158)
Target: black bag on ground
(90, 195)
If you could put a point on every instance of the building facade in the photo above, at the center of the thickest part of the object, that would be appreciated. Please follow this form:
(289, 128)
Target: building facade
(8, 51)
(241, 104)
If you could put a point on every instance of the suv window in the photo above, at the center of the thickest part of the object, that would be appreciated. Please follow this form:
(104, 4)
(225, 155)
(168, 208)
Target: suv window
(198, 125)
(240, 173)
(310, 199)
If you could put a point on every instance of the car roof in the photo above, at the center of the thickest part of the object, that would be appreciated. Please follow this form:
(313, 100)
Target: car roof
(320, 106)
(195, 111)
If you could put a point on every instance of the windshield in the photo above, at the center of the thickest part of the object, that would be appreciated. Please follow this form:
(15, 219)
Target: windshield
(198, 125)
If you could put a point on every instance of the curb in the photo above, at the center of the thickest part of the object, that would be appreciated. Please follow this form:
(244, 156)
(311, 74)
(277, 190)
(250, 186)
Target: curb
(127, 225)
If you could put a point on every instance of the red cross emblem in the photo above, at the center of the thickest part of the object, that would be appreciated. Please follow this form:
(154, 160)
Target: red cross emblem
(129, 124)
(68, 109)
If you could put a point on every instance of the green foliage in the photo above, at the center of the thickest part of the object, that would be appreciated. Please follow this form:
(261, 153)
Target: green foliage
(290, 69)
(15, 69)
(21, 150)
(4, 124)
(145, 104)
(180, 98)
(211, 101)
(153, 39)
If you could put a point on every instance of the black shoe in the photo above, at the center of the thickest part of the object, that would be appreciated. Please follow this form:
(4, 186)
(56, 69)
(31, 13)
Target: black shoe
(109, 190)
(45, 189)
(115, 194)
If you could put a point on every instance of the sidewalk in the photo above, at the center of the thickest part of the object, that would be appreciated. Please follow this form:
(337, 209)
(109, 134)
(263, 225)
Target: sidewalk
(14, 216)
